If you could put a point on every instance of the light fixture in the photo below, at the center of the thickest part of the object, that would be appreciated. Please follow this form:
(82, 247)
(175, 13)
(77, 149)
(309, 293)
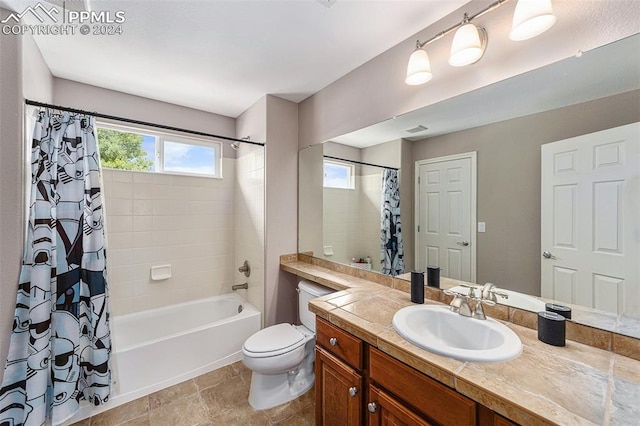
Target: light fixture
(419, 68)
(469, 44)
(531, 17)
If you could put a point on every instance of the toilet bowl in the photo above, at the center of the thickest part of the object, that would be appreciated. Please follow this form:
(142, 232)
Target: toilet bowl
(281, 356)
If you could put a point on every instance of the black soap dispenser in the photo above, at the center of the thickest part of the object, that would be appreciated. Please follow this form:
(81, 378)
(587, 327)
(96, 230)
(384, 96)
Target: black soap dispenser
(417, 286)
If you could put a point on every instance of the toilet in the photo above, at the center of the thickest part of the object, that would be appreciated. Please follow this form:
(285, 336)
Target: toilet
(281, 356)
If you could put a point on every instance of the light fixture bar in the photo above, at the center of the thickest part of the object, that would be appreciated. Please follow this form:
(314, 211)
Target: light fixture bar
(441, 34)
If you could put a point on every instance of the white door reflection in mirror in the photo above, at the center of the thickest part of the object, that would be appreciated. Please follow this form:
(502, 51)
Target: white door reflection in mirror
(591, 220)
(446, 215)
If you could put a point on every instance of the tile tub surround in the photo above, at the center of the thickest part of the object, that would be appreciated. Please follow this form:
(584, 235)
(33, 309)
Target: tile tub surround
(575, 384)
(156, 219)
(215, 398)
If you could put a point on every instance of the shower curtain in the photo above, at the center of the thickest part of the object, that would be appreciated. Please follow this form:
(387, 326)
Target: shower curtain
(392, 250)
(60, 344)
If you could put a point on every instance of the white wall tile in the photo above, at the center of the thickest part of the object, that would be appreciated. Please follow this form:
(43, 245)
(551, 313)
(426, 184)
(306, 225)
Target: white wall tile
(120, 190)
(121, 176)
(142, 239)
(142, 223)
(143, 177)
(119, 240)
(142, 207)
(120, 257)
(119, 207)
(119, 223)
(188, 222)
(142, 191)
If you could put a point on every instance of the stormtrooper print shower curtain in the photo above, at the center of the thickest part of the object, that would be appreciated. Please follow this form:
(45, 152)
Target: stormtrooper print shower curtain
(60, 343)
(392, 249)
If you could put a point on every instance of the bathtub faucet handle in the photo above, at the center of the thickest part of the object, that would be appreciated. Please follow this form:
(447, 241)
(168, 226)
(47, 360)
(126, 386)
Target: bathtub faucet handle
(245, 268)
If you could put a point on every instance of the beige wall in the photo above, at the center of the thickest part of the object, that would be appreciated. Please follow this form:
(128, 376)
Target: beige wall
(509, 180)
(310, 199)
(281, 299)
(91, 98)
(376, 91)
(274, 121)
(37, 81)
(23, 74)
(11, 191)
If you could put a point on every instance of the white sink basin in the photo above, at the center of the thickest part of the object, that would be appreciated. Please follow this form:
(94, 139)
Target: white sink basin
(438, 330)
(515, 299)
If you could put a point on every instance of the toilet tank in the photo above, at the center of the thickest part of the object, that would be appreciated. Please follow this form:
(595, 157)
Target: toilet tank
(307, 291)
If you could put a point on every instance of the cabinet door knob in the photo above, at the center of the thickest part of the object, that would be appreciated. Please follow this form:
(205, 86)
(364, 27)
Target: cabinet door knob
(372, 407)
(333, 341)
(353, 391)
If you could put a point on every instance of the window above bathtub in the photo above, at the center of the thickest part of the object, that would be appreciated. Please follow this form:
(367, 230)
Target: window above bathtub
(126, 148)
(339, 175)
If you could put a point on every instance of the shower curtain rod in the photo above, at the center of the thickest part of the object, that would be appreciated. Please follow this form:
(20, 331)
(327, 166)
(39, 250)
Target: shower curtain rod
(143, 123)
(360, 162)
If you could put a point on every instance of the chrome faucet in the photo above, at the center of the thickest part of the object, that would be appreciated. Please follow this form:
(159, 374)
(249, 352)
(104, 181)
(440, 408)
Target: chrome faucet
(489, 292)
(460, 303)
(244, 286)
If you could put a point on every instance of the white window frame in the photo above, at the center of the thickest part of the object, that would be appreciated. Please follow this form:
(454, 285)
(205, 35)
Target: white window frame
(351, 173)
(161, 138)
(217, 156)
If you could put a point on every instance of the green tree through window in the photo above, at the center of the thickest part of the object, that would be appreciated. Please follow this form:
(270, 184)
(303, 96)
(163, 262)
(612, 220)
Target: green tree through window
(122, 150)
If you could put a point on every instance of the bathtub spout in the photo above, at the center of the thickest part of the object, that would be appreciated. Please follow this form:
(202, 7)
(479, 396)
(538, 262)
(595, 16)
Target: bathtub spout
(244, 286)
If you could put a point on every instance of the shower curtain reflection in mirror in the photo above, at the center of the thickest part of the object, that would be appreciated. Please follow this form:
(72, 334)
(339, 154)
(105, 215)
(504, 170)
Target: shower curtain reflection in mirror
(392, 249)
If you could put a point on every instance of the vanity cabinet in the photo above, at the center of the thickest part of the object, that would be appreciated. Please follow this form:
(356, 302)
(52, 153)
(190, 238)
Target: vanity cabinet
(357, 384)
(339, 378)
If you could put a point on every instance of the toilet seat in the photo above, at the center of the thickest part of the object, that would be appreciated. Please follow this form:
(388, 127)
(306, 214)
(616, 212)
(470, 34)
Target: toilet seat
(273, 341)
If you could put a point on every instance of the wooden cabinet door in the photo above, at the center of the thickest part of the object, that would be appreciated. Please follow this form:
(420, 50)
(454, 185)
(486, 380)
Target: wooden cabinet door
(338, 392)
(384, 410)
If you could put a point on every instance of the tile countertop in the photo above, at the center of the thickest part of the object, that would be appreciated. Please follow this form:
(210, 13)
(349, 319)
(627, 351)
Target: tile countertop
(572, 385)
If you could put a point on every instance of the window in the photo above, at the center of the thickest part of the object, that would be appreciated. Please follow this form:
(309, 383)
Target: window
(338, 175)
(129, 149)
(190, 157)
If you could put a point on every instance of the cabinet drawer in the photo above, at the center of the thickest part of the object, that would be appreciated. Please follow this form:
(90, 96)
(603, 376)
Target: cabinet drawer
(431, 398)
(339, 343)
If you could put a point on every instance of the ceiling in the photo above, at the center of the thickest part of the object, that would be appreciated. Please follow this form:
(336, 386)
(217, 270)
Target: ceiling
(223, 56)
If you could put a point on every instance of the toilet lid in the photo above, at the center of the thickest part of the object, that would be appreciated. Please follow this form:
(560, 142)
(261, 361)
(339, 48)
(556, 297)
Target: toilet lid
(279, 337)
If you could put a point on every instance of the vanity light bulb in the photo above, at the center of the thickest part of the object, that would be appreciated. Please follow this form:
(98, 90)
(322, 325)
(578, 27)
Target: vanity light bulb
(468, 45)
(531, 18)
(419, 68)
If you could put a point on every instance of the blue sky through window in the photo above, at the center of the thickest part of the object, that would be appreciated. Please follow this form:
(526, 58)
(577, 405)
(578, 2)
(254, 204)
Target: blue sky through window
(149, 146)
(186, 158)
(337, 175)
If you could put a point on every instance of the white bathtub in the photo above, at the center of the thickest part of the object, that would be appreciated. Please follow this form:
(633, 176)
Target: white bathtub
(162, 347)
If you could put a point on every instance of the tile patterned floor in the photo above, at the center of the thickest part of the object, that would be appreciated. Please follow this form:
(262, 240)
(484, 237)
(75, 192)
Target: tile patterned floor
(216, 398)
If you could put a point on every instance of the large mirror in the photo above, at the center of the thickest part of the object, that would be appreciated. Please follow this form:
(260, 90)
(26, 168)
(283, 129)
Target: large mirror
(503, 127)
